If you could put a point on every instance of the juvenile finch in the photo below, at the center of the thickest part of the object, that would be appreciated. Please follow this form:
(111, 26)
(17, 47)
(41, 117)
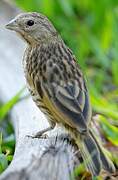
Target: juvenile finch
(57, 86)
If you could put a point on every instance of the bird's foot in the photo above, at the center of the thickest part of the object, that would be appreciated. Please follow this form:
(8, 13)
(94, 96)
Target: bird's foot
(38, 135)
(41, 134)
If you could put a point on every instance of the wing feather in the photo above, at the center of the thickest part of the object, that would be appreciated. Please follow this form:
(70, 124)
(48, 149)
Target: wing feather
(67, 98)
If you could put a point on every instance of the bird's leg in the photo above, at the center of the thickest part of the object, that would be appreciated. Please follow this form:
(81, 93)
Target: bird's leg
(39, 134)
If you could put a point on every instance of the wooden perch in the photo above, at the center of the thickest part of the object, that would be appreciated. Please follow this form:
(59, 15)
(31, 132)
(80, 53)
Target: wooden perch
(53, 158)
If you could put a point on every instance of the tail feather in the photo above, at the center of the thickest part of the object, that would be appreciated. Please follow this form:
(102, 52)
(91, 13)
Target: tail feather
(93, 155)
(87, 159)
(106, 162)
(90, 154)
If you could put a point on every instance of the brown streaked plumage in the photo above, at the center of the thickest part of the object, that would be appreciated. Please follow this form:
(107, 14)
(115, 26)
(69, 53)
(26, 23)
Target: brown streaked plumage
(57, 86)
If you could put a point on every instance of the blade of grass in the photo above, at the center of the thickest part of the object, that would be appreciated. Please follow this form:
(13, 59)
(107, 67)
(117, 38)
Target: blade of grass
(6, 107)
(0, 143)
(102, 106)
(3, 162)
(110, 131)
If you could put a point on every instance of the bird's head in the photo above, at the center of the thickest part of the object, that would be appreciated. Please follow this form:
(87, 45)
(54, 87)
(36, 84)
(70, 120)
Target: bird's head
(33, 27)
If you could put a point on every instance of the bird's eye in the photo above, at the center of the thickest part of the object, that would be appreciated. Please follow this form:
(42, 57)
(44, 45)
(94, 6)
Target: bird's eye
(30, 23)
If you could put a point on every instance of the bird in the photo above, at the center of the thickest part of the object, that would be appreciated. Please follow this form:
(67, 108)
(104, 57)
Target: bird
(58, 87)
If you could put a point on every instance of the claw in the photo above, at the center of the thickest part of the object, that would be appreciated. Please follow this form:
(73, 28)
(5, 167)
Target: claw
(42, 136)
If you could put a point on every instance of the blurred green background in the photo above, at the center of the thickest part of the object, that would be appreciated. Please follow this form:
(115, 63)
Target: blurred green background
(90, 29)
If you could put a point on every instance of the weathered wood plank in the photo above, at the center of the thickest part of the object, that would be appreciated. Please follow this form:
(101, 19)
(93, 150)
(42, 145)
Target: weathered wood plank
(34, 158)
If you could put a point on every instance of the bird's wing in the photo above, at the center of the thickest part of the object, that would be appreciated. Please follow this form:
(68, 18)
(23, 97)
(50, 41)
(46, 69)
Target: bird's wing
(66, 95)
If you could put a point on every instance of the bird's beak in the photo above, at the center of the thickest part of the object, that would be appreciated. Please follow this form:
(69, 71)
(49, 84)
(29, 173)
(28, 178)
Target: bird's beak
(12, 25)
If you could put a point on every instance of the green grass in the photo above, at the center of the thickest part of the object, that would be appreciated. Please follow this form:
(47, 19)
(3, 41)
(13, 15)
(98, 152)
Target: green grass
(7, 139)
(7, 146)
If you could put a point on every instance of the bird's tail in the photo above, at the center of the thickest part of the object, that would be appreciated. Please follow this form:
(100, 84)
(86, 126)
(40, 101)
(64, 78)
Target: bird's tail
(93, 155)
(107, 164)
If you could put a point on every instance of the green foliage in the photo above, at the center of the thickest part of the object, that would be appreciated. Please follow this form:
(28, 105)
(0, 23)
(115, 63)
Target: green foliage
(103, 106)
(6, 151)
(3, 162)
(7, 143)
(6, 107)
(3, 158)
(110, 130)
(78, 171)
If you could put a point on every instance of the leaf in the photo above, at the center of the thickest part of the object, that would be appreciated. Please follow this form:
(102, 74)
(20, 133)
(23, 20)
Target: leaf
(98, 51)
(79, 170)
(9, 158)
(0, 143)
(97, 178)
(115, 70)
(110, 131)
(7, 150)
(115, 158)
(102, 106)
(6, 107)
(3, 162)
(9, 141)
